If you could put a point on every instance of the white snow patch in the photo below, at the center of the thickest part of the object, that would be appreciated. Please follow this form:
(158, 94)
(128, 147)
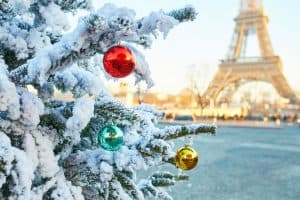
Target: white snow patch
(56, 19)
(48, 165)
(83, 111)
(9, 99)
(106, 171)
(18, 167)
(32, 107)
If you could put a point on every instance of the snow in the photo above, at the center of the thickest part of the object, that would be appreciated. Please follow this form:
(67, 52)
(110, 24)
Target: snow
(16, 169)
(19, 6)
(37, 68)
(65, 190)
(142, 70)
(56, 19)
(47, 166)
(79, 81)
(127, 158)
(32, 107)
(151, 112)
(157, 20)
(31, 149)
(13, 42)
(9, 99)
(83, 111)
(37, 40)
(106, 171)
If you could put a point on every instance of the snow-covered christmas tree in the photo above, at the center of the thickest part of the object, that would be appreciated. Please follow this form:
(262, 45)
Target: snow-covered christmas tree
(49, 148)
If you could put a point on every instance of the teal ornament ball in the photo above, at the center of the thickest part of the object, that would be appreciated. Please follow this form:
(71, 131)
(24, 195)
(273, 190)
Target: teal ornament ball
(110, 138)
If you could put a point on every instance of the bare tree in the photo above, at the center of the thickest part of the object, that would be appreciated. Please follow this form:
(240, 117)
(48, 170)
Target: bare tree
(198, 81)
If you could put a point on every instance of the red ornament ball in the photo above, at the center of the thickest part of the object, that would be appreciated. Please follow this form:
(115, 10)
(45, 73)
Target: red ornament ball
(119, 61)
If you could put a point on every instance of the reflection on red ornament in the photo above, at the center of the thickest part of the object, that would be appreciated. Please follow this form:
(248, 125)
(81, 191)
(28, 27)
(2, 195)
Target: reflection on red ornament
(119, 61)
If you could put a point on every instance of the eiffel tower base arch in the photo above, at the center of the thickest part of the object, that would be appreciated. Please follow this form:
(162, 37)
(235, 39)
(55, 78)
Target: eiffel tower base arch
(267, 69)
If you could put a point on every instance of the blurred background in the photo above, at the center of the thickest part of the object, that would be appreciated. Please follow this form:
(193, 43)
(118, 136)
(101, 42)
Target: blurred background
(263, 41)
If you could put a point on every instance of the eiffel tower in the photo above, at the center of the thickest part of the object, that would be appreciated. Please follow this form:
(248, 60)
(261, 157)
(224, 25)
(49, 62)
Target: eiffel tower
(237, 69)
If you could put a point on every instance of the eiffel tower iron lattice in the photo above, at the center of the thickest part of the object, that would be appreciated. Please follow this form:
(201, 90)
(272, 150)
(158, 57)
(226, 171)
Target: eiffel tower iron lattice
(237, 69)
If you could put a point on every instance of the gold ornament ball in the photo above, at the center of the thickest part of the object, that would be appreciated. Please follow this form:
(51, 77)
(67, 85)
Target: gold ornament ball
(186, 158)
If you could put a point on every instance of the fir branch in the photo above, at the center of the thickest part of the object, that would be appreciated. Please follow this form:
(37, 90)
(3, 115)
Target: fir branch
(171, 161)
(173, 132)
(185, 14)
(114, 111)
(53, 120)
(165, 179)
(128, 185)
(148, 190)
(73, 5)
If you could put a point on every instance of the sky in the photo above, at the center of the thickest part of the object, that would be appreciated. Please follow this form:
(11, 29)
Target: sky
(205, 41)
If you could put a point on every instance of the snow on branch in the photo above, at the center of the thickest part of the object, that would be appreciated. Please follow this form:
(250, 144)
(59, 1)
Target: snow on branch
(14, 7)
(68, 120)
(16, 171)
(13, 42)
(31, 108)
(57, 188)
(83, 111)
(185, 14)
(108, 110)
(94, 34)
(165, 179)
(40, 145)
(19, 104)
(78, 81)
(173, 132)
(129, 185)
(71, 5)
(142, 70)
(9, 98)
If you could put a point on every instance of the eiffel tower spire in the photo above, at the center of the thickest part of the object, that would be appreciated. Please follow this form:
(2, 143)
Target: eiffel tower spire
(250, 5)
(237, 69)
